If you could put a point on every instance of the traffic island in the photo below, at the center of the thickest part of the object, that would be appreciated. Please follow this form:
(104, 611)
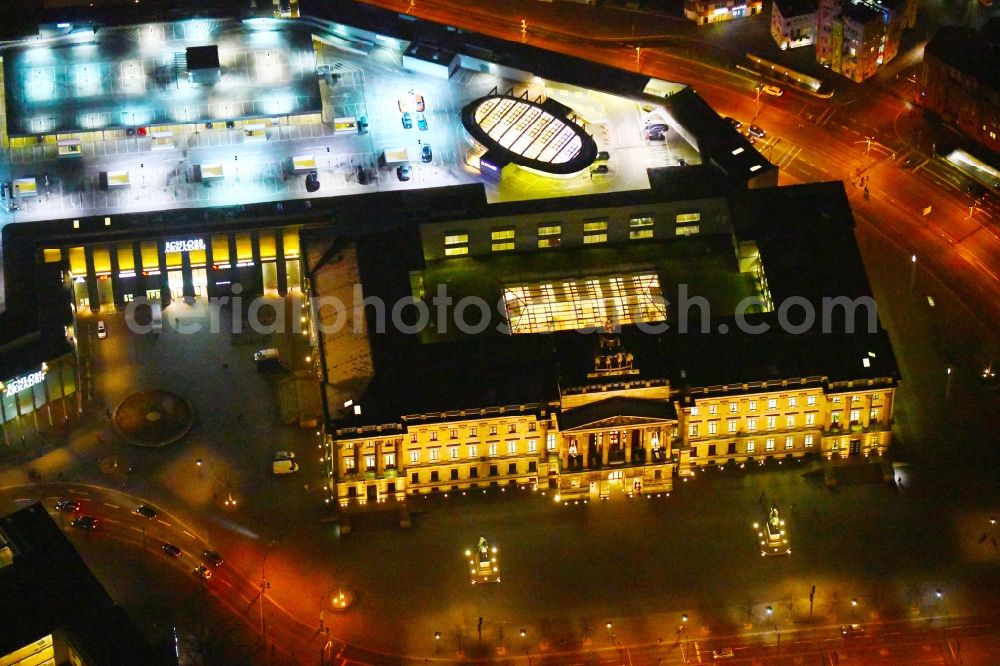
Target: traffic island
(342, 599)
(153, 418)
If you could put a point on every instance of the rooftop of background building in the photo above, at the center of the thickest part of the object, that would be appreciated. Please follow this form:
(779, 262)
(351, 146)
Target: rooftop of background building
(975, 53)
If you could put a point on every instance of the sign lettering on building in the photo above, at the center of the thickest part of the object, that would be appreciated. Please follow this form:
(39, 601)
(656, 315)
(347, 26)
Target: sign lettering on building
(184, 245)
(24, 382)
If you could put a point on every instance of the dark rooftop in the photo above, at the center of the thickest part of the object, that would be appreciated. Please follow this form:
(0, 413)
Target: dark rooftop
(613, 407)
(48, 587)
(790, 8)
(973, 53)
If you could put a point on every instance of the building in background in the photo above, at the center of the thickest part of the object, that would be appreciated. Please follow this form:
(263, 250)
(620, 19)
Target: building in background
(704, 12)
(961, 80)
(853, 37)
(55, 611)
(793, 23)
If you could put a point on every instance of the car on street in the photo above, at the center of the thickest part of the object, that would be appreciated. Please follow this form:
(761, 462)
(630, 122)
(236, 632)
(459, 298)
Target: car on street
(145, 511)
(280, 467)
(851, 630)
(756, 131)
(723, 653)
(284, 455)
(102, 330)
(171, 550)
(363, 125)
(772, 90)
(418, 103)
(735, 123)
(202, 571)
(364, 178)
(404, 104)
(599, 169)
(67, 506)
(213, 558)
(426, 155)
(976, 191)
(421, 122)
(403, 172)
(407, 120)
(655, 132)
(85, 523)
(603, 156)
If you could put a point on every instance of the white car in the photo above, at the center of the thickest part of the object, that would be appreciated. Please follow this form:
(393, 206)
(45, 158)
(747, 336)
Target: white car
(773, 90)
(102, 330)
(284, 455)
(723, 653)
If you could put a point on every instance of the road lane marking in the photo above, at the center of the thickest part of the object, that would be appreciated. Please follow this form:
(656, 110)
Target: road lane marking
(112, 520)
(113, 506)
(79, 492)
(190, 535)
(164, 523)
(24, 499)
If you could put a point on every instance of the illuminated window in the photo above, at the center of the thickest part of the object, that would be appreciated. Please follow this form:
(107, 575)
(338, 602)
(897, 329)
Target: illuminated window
(793, 402)
(694, 411)
(693, 429)
(595, 225)
(751, 423)
(549, 235)
(550, 442)
(511, 428)
(493, 430)
(808, 441)
(790, 421)
(751, 446)
(453, 433)
(836, 399)
(789, 442)
(772, 422)
(640, 227)
(835, 417)
(855, 398)
(594, 239)
(502, 247)
(473, 432)
(855, 415)
(507, 233)
(414, 456)
(457, 251)
(456, 239)
(494, 448)
(532, 426)
(434, 455)
(772, 403)
(753, 406)
(532, 446)
(733, 407)
(684, 218)
(511, 447)
(389, 459)
(370, 462)
(873, 414)
(769, 444)
(473, 450)
(811, 400)
(349, 463)
(713, 427)
(731, 425)
(811, 419)
(713, 409)
(349, 446)
(453, 452)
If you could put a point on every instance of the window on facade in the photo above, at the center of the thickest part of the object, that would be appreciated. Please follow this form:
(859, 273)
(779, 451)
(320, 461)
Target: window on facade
(493, 470)
(549, 235)
(453, 433)
(456, 244)
(434, 476)
(473, 472)
(532, 466)
(713, 409)
(790, 421)
(595, 238)
(453, 452)
(504, 246)
(349, 463)
(789, 442)
(414, 456)
(454, 474)
(512, 468)
(415, 478)
(473, 432)
(502, 239)
(389, 459)
(550, 442)
(807, 441)
(769, 444)
(640, 227)
(532, 446)
(751, 446)
(873, 414)
(711, 449)
(810, 419)
(413, 438)
(835, 417)
(751, 423)
(713, 427)
(511, 428)
(732, 448)
(731, 425)
(532, 426)
(370, 462)
(595, 231)
(753, 406)
(772, 422)
(855, 415)
(688, 217)
(855, 398)
(494, 448)
(733, 407)
(793, 402)
(772, 403)
(473, 450)
(836, 399)
(512, 447)
(456, 238)
(693, 429)
(493, 430)
(595, 225)
(811, 400)
(694, 411)
(434, 435)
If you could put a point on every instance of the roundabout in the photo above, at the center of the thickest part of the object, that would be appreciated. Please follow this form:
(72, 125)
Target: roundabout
(153, 418)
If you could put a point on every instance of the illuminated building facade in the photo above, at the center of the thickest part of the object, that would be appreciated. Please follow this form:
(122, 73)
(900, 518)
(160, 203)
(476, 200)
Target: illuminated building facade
(704, 12)
(793, 23)
(856, 37)
(631, 407)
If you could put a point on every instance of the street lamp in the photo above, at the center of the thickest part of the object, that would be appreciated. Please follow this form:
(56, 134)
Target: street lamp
(770, 611)
(197, 463)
